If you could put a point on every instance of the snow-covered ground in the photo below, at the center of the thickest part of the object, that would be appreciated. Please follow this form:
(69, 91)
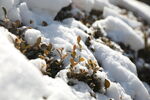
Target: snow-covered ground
(93, 68)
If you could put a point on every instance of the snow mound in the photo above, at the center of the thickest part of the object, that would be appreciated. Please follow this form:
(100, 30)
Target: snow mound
(31, 36)
(138, 7)
(119, 31)
(19, 80)
(121, 69)
(47, 6)
(88, 5)
(111, 12)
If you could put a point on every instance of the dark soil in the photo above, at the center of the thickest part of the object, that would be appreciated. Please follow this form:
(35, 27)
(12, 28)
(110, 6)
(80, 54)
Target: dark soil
(146, 1)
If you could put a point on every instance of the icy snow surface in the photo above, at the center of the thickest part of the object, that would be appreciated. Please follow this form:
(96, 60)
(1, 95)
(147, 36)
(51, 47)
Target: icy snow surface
(21, 79)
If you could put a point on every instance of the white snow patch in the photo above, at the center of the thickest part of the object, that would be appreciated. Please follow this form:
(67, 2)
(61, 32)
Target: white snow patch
(51, 7)
(119, 31)
(138, 7)
(111, 12)
(120, 69)
(31, 36)
(18, 78)
(88, 5)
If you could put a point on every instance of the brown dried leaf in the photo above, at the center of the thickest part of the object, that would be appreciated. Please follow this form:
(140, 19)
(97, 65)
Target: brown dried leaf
(64, 56)
(73, 54)
(46, 52)
(18, 23)
(73, 63)
(38, 42)
(49, 47)
(107, 84)
(74, 48)
(78, 39)
(22, 46)
(81, 59)
(42, 57)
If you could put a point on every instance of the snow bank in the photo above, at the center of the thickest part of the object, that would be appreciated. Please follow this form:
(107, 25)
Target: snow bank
(111, 12)
(11, 7)
(31, 36)
(18, 81)
(64, 36)
(121, 69)
(39, 63)
(47, 6)
(119, 31)
(138, 7)
(117, 92)
(32, 12)
(24, 80)
(88, 5)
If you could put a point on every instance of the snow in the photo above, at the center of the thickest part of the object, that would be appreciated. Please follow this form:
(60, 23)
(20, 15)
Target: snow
(125, 34)
(147, 86)
(117, 92)
(21, 78)
(111, 12)
(122, 70)
(47, 6)
(31, 36)
(66, 37)
(11, 7)
(88, 5)
(18, 82)
(59, 90)
(74, 23)
(25, 79)
(39, 63)
(100, 4)
(138, 7)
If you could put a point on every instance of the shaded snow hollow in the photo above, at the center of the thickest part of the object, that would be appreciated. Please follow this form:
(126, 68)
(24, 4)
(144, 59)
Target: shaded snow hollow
(21, 79)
